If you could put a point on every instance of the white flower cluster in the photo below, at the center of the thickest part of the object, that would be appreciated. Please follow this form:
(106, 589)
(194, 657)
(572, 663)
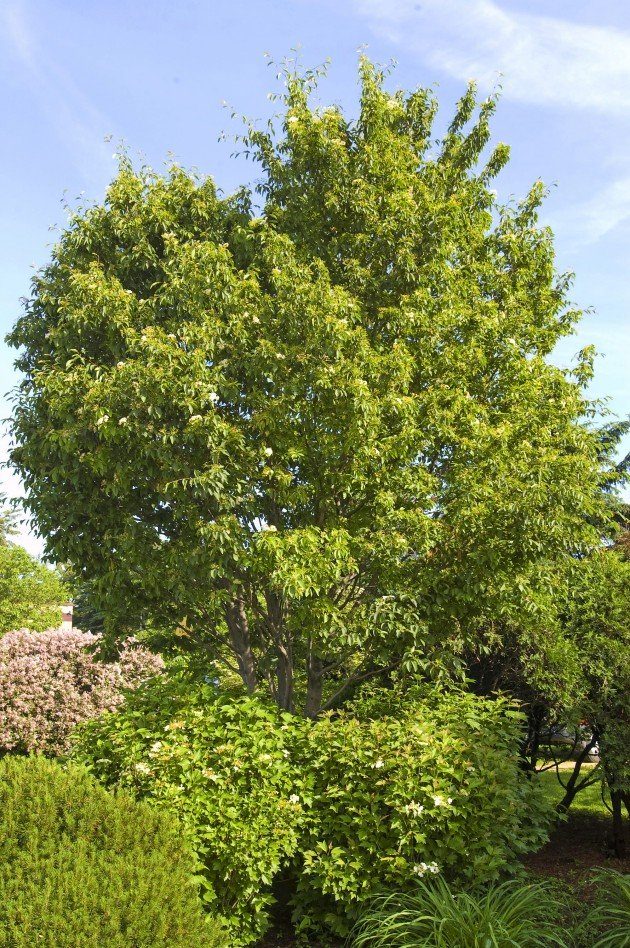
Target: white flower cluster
(413, 808)
(421, 868)
(378, 764)
(440, 801)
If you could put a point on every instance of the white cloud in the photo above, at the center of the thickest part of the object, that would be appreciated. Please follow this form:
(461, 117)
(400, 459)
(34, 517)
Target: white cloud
(79, 125)
(542, 59)
(586, 222)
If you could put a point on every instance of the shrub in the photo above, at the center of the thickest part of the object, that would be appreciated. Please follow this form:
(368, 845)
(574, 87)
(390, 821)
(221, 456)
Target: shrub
(611, 914)
(51, 681)
(433, 916)
(402, 790)
(80, 866)
(224, 764)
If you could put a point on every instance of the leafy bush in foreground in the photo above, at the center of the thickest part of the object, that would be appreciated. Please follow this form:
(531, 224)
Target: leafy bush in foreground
(224, 764)
(507, 915)
(413, 787)
(375, 797)
(51, 681)
(79, 866)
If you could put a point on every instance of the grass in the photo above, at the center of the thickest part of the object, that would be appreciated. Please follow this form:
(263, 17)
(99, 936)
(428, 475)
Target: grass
(587, 802)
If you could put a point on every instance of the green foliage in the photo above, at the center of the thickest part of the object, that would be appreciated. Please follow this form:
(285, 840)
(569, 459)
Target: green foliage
(611, 912)
(225, 765)
(507, 915)
(325, 433)
(79, 866)
(401, 790)
(7, 520)
(597, 622)
(31, 594)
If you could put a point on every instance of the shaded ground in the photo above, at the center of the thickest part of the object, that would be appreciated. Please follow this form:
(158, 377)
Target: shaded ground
(576, 846)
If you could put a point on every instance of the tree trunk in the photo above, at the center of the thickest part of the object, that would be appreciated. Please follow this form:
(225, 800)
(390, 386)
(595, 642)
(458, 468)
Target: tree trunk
(285, 678)
(238, 628)
(619, 839)
(572, 789)
(314, 687)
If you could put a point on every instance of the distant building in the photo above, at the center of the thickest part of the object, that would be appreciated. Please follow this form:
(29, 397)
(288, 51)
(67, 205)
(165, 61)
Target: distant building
(66, 616)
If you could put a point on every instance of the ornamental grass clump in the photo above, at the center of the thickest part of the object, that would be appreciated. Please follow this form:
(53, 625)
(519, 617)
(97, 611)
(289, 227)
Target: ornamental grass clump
(80, 866)
(506, 915)
(611, 912)
(51, 681)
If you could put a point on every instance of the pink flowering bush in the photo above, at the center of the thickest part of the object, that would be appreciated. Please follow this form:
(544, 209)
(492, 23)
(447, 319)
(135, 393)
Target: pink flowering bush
(51, 681)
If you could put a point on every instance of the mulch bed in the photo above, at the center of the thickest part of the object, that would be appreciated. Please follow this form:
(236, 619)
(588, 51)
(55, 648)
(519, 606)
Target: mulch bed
(575, 847)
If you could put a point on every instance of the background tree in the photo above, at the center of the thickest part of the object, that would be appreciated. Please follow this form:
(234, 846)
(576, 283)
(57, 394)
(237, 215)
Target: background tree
(31, 594)
(321, 438)
(7, 520)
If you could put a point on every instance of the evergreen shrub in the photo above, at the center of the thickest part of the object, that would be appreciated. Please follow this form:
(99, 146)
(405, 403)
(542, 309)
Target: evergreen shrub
(80, 866)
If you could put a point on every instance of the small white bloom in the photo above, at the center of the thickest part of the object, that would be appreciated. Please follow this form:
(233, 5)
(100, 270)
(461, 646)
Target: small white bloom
(378, 764)
(255, 320)
(120, 364)
(294, 798)
(214, 398)
(102, 420)
(143, 768)
(268, 452)
(269, 528)
(195, 418)
(122, 421)
(438, 800)
(413, 808)
(450, 800)
(292, 118)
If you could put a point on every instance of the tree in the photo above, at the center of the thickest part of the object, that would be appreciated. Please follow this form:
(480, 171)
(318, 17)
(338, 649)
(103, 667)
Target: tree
(31, 594)
(598, 622)
(320, 438)
(7, 520)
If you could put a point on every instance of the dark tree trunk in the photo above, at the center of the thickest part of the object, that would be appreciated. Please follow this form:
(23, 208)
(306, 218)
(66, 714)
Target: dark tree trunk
(619, 837)
(285, 678)
(573, 787)
(238, 627)
(314, 688)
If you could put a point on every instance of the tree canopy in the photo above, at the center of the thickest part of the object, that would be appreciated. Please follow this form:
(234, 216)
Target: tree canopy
(318, 435)
(31, 594)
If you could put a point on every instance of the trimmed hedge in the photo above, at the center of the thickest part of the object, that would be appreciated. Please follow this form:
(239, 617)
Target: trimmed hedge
(81, 866)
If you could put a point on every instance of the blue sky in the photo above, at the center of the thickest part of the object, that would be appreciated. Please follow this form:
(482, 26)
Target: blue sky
(155, 74)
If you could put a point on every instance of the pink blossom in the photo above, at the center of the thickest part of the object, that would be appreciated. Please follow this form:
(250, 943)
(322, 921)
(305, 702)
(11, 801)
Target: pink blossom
(51, 681)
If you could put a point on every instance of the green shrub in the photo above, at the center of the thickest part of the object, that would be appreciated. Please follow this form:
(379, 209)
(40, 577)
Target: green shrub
(506, 915)
(224, 763)
(80, 866)
(413, 788)
(611, 912)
